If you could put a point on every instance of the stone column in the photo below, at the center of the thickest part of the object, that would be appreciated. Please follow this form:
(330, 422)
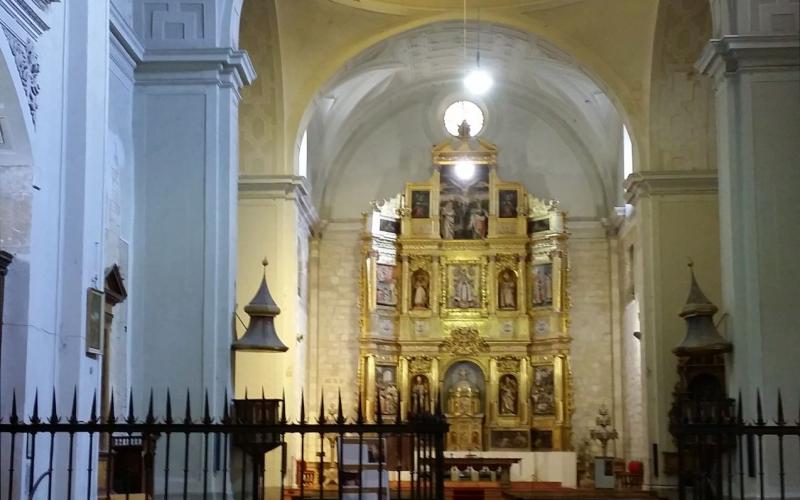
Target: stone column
(405, 290)
(491, 283)
(754, 61)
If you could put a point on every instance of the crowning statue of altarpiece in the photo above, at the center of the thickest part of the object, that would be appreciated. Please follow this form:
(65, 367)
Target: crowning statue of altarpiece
(463, 298)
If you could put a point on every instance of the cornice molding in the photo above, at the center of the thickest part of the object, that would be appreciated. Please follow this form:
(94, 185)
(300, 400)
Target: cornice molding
(287, 187)
(27, 15)
(734, 53)
(124, 37)
(669, 183)
(160, 65)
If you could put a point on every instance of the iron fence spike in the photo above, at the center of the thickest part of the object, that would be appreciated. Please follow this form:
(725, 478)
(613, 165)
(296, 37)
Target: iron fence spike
(168, 418)
(378, 410)
(54, 418)
(398, 414)
(187, 419)
(439, 405)
(759, 412)
(359, 409)
(14, 417)
(302, 407)
(150, 418)
(131, 419)
(225, 414)
(780, 420)
(321, 417)
(93, 413)
(340, 410)
(283, 406)
(206, 410)
(111, 417)
(245, 393)
(35, 416)
(263, 397)
(73, 414)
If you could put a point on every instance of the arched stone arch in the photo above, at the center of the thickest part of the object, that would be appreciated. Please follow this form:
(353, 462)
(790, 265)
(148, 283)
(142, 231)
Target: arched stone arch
(618, 91)
(351, 104)
(17, 181)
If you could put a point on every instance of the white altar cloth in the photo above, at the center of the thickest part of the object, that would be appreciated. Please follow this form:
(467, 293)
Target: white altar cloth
(549, 466)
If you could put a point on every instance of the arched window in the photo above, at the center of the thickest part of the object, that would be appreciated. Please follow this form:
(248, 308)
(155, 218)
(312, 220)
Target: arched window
(627, 153)
(459, 111)
(302, 156)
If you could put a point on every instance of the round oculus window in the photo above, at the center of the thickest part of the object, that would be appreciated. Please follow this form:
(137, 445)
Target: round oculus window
(461, 111)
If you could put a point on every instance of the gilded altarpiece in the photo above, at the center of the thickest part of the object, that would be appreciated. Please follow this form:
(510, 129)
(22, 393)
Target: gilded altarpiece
(464, 299)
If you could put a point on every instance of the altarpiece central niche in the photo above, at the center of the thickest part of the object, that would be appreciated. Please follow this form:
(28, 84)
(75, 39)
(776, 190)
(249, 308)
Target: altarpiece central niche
(463, 298)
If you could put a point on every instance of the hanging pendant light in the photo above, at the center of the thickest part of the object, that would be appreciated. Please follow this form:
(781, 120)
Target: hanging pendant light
(478, 81)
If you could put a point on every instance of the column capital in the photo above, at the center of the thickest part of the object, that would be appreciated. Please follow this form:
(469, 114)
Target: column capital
(669, 182)
(734, 53)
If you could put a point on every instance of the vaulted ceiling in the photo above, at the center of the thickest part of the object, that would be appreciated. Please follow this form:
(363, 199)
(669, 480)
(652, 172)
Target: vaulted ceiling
(557, 129)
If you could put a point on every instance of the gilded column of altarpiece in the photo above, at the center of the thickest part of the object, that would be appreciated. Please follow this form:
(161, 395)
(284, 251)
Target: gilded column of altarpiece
(463, 298)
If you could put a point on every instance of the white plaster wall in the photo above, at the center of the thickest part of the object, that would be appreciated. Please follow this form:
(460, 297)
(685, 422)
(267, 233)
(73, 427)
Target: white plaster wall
(392, 145)
(119, 210)
(45, 345)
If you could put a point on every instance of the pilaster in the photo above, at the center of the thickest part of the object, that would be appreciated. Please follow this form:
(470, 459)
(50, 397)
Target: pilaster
(757, 92)
(276, 218)
(676, 219)
(186, 142)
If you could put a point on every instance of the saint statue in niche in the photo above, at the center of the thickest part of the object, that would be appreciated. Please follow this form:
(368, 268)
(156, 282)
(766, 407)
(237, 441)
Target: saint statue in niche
(464, 293)
(387, 390)
(508, 395)
(420, 290)
(478, 223)
(448, 221)
(464, 396)
(507, 290)
(542, 292)
(419, 393)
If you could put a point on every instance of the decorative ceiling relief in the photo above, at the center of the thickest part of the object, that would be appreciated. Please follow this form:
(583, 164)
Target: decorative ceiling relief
(27, 62)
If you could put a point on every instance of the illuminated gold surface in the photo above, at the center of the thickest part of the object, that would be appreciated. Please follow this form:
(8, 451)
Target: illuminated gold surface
(508, 342)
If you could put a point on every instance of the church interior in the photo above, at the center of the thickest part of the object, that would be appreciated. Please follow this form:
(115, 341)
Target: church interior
(562, 227)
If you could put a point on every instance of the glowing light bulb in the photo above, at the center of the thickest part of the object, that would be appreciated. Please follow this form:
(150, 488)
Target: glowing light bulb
(465, 170)
(478, 81)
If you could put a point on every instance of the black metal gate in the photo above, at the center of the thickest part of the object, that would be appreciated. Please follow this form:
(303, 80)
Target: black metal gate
(54, 456)
(723, 456)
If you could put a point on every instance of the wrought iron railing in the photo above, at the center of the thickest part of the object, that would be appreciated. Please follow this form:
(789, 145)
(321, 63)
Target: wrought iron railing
(55, 456)
(722, 455)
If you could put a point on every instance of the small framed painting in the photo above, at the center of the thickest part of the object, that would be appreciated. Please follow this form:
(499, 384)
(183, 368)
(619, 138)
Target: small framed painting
(420, 204)
(94, 321)
(508, 203)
